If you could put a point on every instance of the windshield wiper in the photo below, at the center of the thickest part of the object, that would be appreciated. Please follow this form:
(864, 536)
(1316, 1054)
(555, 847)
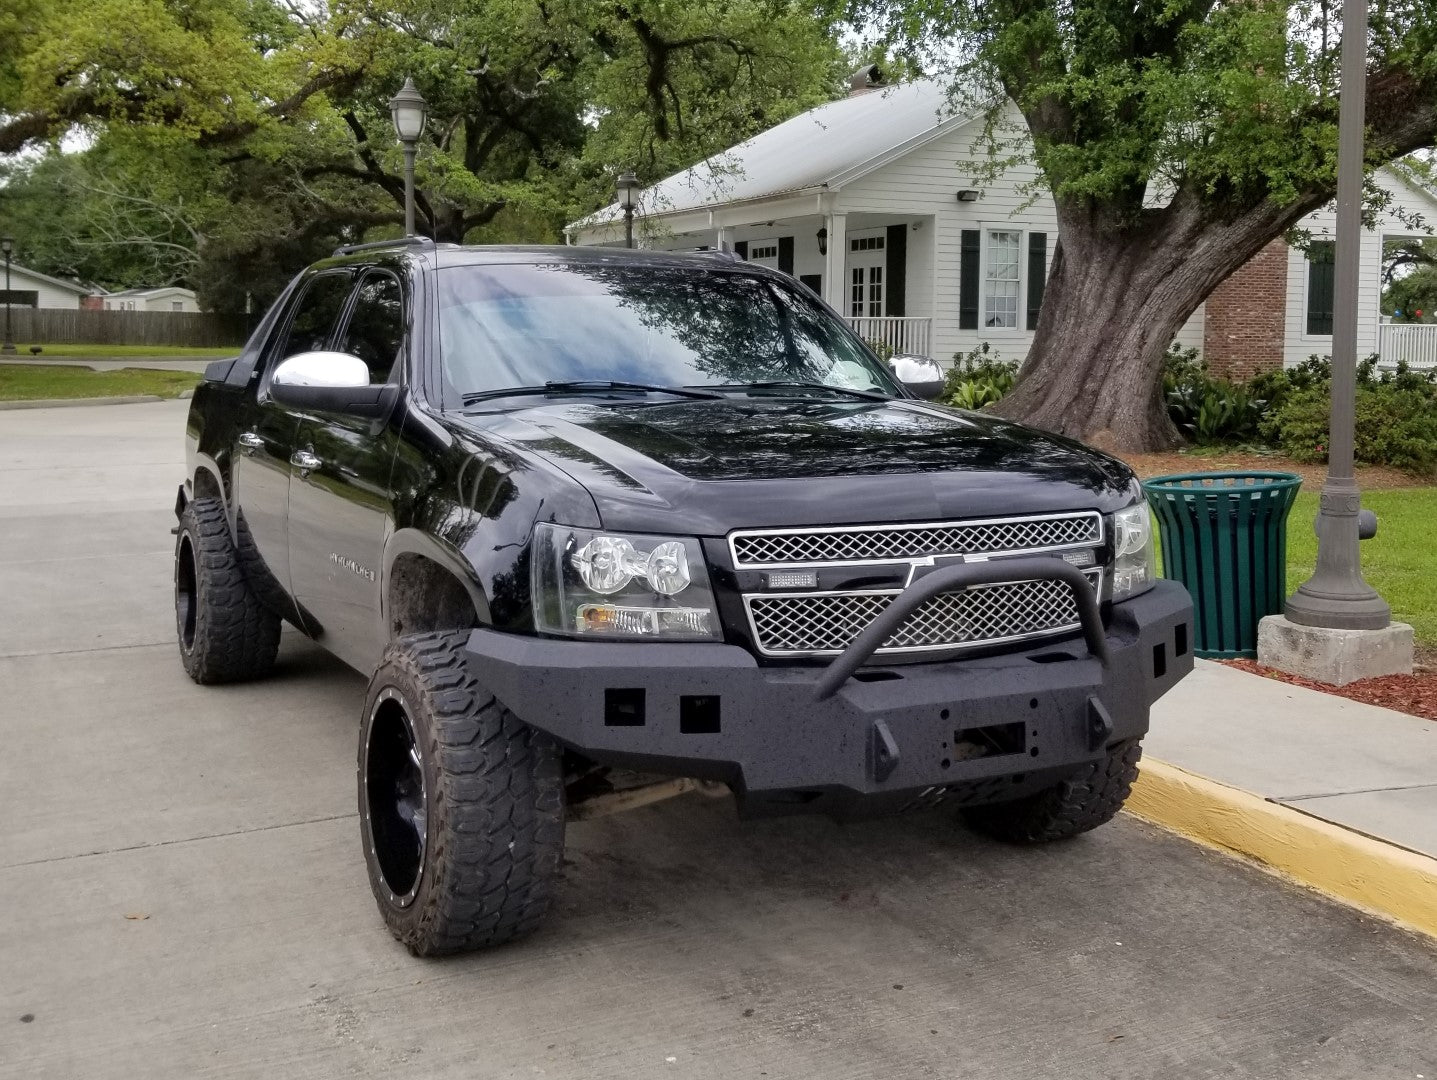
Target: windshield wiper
(785, 384)
(589, 386)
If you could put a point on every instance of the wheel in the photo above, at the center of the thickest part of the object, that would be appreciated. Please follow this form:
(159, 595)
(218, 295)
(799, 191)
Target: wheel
(461, 804)
(1083, 801)
(225, 633)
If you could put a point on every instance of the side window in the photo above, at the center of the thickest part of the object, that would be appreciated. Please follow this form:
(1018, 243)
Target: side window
(315, 314)
(375, 332)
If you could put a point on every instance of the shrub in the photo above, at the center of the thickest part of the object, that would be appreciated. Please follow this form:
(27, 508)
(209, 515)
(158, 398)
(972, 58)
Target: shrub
(978, 378)
(1396, 421)
(1208, 409)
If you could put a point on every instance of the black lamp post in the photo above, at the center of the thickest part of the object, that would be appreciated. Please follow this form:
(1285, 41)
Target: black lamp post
(7, 245)
(628, 186)
(407, 110)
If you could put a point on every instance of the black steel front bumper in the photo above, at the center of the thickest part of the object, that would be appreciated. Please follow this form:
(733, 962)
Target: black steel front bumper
(852, 738)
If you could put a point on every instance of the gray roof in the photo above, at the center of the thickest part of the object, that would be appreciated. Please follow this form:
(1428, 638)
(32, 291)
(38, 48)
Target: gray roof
(72, 286)
(820, 148)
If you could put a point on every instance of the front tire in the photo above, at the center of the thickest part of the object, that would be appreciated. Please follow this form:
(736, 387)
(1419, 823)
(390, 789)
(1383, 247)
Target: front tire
(461, 804)
(225, 634)
(1089, 798)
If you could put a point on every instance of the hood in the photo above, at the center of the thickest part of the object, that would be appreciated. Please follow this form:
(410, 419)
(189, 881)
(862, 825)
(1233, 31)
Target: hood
(705, 467)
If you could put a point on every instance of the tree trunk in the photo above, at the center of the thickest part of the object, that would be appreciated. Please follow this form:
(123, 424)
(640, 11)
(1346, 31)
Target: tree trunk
(1114, 300)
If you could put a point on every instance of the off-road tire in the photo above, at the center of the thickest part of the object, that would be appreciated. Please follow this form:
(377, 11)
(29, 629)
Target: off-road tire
(493, 795)
(225, 634)
(1085, 800)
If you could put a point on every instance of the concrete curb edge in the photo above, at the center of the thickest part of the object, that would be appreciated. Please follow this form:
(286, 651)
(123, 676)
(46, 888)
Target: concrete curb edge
(69, 403)
(1380, 878)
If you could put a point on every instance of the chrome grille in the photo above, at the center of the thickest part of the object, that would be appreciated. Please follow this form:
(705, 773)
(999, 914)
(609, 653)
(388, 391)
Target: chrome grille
(889, 543)
(815, 624)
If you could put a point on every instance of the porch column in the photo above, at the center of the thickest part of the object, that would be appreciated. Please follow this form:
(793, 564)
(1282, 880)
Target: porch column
(724, 239)
(835, 264)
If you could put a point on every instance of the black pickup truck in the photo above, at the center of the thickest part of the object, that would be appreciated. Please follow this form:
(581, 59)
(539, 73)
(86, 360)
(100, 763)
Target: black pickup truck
(575, 511)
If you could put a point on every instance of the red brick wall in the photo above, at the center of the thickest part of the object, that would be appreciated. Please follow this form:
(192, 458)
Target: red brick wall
(92, 303)
(1246, 316)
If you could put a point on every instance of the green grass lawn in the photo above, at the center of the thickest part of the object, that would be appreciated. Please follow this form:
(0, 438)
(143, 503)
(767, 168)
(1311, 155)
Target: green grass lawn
(83, 352)
(1400, 562)
(29, 382)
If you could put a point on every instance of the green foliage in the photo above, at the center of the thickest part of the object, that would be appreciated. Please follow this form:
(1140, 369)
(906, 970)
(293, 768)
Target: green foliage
(238, 140)
(1206, 409)
(1396, 417)
(978, 378)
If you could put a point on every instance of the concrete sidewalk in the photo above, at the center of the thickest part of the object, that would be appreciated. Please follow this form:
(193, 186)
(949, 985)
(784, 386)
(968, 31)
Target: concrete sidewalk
(1359, 766)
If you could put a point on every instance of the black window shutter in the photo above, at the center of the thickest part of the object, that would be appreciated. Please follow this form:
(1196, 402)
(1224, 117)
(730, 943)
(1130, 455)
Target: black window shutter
(814, 282)
(968, 281)
(740, 248)
(785, 254)
(1037, 275)
(1319, 287)
(895, 256)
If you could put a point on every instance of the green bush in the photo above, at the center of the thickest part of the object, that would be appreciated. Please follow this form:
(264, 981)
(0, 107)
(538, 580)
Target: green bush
(978, 378)
(1207, 409)
(1396, 420)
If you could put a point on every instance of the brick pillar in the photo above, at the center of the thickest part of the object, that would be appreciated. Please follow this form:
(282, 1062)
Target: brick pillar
(1245, 318)
(92, 303)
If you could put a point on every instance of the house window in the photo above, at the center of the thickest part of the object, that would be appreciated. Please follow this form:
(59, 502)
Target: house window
(867, 243)
(1002, 280)
(1319, 287)
(766, 250)
(177, 305)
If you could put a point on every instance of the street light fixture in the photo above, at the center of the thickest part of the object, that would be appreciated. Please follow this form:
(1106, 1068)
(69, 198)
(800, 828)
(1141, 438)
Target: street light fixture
(8, 347)
(1336, 595)
(628, 187)
(408, 111)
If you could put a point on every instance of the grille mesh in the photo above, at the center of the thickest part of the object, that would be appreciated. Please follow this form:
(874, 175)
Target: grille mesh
(914, 541)
(787, 625)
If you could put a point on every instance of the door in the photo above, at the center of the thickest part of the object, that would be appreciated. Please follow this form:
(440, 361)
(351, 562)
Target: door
(266, 440)
(341, 508)
(867, 261)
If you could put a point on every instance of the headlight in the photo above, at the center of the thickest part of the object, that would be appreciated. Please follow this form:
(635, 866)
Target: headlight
(1135, 567)
(588, 583)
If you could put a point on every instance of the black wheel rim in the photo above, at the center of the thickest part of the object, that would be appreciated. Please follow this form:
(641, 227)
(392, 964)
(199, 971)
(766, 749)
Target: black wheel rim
(186, 593)
(395, 810)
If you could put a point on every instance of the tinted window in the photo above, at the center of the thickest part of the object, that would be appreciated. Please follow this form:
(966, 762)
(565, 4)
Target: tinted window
(376, 325)
(509, 326)
(315, 315)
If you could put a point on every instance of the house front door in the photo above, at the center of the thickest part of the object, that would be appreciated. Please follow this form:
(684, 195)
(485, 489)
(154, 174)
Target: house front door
(867, 263)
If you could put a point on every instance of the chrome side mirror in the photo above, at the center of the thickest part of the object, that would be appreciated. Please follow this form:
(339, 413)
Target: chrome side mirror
(321, 369)
(920, 374)
(330, 382)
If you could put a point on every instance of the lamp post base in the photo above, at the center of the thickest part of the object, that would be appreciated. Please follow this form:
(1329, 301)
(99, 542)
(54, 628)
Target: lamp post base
(1333, 656)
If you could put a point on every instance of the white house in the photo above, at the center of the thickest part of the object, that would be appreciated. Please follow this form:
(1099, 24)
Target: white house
(32, 289)
(169, 298)
(870, 201)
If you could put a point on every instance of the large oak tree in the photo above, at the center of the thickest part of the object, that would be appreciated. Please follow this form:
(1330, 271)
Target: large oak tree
(1177, 138)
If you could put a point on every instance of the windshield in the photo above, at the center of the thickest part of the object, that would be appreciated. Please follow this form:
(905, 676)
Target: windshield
(518, 325)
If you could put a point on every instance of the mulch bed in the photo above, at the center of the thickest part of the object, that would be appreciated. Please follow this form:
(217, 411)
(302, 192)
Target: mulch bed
(1415, 694)
(1368, 476)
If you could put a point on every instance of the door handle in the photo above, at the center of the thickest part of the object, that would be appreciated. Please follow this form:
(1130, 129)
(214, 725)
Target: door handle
(250, 442)
(304, 461)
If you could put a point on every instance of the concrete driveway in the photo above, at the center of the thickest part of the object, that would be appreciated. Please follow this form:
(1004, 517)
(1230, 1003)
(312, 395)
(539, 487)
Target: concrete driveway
(182, 893)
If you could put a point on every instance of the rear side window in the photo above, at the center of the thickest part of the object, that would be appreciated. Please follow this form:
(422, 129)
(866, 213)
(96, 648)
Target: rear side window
(315, 314)
(375, 332)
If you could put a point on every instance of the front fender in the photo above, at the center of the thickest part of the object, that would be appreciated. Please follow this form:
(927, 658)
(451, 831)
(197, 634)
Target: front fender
(415, 542)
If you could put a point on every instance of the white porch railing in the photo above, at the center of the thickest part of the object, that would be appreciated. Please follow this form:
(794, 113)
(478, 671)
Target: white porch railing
(901, 335)
(1414, 342)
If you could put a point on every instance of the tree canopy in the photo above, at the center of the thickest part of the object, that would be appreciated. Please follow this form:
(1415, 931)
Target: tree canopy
(228, 142)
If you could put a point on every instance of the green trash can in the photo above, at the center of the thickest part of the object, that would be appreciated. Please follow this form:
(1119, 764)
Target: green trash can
(1224, 536)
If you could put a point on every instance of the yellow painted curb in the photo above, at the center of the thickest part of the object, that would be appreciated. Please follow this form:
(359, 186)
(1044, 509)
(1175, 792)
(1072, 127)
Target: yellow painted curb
(1378, 877)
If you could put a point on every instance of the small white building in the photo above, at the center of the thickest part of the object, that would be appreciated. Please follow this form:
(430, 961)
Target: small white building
(32, 289)
(871, 201)
(169, 298)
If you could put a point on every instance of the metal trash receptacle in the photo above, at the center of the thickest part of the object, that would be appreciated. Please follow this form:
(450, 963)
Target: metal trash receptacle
(1224, 536)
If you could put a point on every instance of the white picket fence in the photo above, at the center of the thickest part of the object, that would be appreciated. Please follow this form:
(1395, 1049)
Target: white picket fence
(902, 335)
(1415, 343)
